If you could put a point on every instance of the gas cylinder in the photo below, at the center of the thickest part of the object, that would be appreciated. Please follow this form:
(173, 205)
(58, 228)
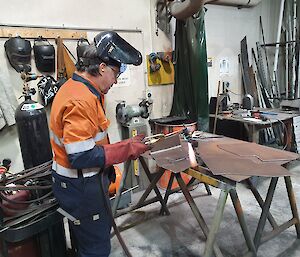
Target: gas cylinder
(33, 133)
(113, 187)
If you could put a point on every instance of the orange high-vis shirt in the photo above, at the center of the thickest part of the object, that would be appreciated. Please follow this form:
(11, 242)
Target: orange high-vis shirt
(77, 120)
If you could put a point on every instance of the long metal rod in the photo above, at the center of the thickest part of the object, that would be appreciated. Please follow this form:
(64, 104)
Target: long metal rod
(277, 47)
(265, 211)
(286, 68)
(240, 214)
(69, 28)
(197, 215)
(215, 223)
(217, 108)
(280, 43)
(293, 204)
(266, 54)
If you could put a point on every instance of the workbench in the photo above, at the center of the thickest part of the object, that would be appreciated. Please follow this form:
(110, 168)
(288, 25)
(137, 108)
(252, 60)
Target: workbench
(227, 187)
(254, 126)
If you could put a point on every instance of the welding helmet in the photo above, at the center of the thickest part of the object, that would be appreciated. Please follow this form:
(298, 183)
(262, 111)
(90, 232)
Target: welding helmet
(18, 51)
(115, 50)
(44, 55)
(82, 45)
(48, 88)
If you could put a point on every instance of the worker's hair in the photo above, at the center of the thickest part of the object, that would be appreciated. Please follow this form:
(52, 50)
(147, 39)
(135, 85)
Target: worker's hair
(89, 61)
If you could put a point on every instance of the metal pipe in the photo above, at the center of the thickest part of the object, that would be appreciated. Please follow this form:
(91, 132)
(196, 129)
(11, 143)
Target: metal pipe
(286, 67)
(183, 10)
(234, 3)
(280, 43)
(217, 108)
(277, 47)
(266, 56)
(69, 28)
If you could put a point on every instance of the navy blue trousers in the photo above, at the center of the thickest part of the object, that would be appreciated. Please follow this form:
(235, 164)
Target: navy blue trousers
(83, 199)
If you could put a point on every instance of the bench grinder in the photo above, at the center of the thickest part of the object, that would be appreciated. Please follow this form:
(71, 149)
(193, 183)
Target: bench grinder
(133, 121)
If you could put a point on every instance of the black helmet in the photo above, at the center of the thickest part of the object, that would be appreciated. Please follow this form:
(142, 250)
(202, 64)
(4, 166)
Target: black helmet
(44, 55)
(18, 51)
(111, 47)
(82, 45)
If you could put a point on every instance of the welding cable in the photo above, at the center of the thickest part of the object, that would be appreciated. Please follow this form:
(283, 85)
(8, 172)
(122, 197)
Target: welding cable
(28, 216)
(285, 135)
(25, 202)
(285, 132)
(19, 212)
(16, 212)
(108, 208)
(234, 92)
(30, 208)
(22, 177)
(21, 187)
(39, 168)
(45, 167)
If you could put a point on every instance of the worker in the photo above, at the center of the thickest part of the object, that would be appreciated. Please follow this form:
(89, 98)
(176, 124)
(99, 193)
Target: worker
(82, 155)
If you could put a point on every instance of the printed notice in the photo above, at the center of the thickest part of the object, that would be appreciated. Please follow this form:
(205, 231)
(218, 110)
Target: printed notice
(224, 66)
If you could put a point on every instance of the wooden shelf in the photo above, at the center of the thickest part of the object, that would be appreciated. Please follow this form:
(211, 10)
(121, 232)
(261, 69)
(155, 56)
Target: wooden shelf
(31, 33)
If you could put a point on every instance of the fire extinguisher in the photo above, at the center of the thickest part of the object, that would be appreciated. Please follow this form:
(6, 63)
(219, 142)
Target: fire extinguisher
(32, 127)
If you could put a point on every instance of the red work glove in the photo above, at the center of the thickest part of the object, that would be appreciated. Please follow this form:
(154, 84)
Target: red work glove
(129, 149)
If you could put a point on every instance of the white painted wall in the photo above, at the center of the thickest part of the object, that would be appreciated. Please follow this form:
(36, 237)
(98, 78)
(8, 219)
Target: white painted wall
(225, 27)
(113, 14)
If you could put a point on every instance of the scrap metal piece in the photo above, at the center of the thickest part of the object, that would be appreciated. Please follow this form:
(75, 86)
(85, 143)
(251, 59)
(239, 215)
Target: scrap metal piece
(171, 154)
(225, 163)
(263, 153)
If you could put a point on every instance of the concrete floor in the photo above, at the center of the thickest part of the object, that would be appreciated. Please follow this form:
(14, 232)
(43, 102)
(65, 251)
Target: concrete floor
(148, 234)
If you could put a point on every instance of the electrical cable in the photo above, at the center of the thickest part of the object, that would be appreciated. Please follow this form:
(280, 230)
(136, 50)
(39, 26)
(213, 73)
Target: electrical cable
(108, 208)
(234, 92)
(285, 132)
(24, 202)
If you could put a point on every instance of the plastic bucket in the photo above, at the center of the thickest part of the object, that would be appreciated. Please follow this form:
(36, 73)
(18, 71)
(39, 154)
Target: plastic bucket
(163, 128)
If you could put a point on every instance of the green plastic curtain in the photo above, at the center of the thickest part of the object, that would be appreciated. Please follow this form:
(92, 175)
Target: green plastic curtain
(191, 86)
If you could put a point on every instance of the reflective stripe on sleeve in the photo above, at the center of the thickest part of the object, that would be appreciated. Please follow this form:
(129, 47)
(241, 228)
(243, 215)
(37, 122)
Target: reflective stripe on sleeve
(80, 146)
(56, 139)
(100, 136)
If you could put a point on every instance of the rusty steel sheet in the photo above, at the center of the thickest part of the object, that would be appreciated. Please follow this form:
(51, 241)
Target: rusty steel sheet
(239, 166)
(263, 153)
(237, 178)
(224, 163)
(171, 154)
(166, 143)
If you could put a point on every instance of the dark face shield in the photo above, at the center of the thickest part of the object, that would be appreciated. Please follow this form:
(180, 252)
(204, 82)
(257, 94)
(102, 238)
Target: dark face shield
(111, 46)
(18, 51)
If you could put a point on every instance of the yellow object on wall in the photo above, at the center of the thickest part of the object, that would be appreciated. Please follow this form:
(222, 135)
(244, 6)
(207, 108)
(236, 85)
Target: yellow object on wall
(165, 75)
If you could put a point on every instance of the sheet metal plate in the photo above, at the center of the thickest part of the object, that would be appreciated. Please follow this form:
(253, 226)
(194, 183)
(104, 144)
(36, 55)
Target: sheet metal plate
(224, 163)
